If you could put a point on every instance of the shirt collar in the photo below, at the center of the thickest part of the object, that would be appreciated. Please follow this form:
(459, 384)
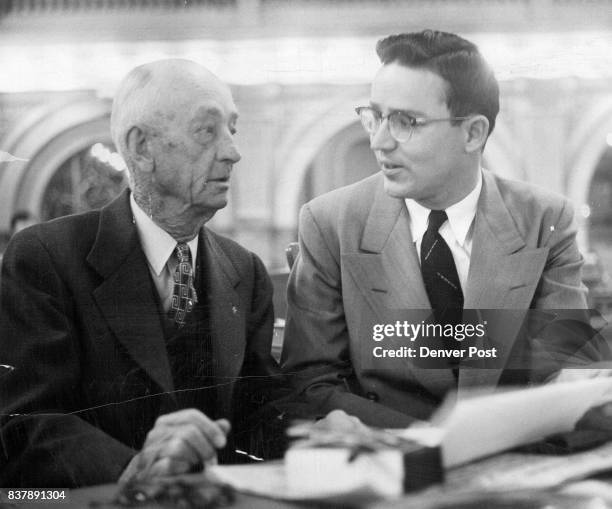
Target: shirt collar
(460, 215)
(157, 244)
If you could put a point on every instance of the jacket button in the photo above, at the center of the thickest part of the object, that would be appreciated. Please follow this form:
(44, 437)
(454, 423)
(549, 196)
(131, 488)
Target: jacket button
(372, 396)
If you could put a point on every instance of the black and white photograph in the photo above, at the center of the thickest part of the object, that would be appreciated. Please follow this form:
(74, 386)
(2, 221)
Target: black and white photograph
(306, 253)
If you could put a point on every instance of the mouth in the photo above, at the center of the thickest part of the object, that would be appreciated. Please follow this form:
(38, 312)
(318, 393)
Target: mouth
(389, 166)
(218, 179)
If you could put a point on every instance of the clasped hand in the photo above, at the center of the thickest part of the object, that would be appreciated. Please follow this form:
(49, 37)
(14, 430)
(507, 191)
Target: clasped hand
(178, 443)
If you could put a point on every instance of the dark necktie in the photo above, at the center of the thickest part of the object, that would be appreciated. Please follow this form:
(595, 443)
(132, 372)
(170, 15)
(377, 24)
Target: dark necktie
(440, 273)
(184, 294)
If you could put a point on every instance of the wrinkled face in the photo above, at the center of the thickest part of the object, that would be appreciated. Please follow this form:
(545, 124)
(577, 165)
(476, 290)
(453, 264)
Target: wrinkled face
(193, 146)
(428, 166)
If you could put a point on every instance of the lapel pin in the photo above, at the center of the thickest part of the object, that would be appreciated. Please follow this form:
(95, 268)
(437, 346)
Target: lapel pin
(234, 309)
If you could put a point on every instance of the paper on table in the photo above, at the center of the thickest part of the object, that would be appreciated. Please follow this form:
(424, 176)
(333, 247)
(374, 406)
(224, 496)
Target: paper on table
(269, 480)
(481, 426)
(546, 471)
(258, 478)
(474, 428)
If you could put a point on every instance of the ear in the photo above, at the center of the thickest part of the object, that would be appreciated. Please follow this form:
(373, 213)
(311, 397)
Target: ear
(138, 148)
(477, 130)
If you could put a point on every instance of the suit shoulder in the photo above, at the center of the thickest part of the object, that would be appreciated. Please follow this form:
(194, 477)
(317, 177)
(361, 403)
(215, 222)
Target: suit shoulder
(536, 212)
(239, 255)
(530, 199)
(352, 197)
(75, 232)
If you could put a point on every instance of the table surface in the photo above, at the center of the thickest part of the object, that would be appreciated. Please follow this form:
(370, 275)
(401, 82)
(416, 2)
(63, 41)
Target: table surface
(530, 478)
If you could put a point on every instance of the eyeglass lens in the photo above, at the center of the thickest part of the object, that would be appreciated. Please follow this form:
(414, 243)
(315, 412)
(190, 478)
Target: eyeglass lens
(399, 127)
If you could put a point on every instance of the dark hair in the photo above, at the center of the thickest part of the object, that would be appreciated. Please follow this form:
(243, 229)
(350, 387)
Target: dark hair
(471, 84)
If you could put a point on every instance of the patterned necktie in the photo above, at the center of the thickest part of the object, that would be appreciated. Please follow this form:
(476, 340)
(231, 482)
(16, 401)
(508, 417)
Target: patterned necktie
(440, 273)
(184, 294)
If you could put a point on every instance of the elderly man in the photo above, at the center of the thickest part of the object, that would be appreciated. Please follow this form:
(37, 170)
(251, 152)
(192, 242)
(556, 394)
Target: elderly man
(429, 236)
(138, 338)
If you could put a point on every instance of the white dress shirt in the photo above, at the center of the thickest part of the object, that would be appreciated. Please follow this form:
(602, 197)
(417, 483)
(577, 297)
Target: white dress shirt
(158, 246)
(457, 231)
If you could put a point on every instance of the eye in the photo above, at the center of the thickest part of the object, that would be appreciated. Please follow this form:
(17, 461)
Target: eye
(206, 132)
(370, 118)
(373, 115)
(405, 121)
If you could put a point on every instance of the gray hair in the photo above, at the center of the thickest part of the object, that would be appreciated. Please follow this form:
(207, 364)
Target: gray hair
(146, 92)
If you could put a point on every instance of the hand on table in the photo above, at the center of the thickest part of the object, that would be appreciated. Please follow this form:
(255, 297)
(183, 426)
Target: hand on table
(339, 420)
(177, 443)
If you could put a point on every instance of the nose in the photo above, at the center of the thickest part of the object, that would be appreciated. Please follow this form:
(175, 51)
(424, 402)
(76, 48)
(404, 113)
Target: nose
(229, 151)
(235, 155)
(381, 139)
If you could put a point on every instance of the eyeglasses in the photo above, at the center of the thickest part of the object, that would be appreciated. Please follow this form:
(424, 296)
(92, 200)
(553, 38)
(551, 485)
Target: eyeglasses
(401, 125)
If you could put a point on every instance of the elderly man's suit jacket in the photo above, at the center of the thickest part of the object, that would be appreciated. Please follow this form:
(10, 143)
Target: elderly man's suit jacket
(81, 326)
(358, 266)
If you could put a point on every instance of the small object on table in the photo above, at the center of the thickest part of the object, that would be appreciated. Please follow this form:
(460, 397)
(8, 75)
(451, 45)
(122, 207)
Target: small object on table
(329, 460)
(185, 492)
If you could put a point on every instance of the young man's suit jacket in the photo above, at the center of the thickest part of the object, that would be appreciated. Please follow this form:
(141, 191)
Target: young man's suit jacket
(81, 326)
(358, 266)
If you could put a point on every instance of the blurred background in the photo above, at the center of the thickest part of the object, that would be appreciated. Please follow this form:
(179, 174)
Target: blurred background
(297, 69)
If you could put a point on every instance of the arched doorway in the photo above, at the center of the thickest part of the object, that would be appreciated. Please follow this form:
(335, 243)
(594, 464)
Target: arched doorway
(600, 218)
(67, 162)
(344, 159)
(62, 166)
(87, 180)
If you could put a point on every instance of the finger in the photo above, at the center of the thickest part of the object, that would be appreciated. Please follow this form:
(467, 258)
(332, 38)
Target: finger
(146, 459)
(211, 461)
(339, 420)
(357, 423)
(225, 425)
(167, 430)
(209, 428)
(168, 466)
(333, 418)
(160, 434)
(338, 416)
(212, 430)
(156, 435)
(185, 442)
(181, 417)
(189, 443)
(130, 471)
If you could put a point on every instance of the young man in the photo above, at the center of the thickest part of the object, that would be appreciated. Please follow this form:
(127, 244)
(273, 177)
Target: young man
(432, 233)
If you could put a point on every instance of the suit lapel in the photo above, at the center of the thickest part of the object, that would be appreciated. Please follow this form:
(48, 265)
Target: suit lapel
(493, 264)
(126, 297)
(503, 275)
(392, 258)
(388, 274)
(226, 319)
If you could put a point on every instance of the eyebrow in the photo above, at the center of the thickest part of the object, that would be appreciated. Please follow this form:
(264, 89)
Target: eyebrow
(412, 113)
(201, 112)
(212, 111)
